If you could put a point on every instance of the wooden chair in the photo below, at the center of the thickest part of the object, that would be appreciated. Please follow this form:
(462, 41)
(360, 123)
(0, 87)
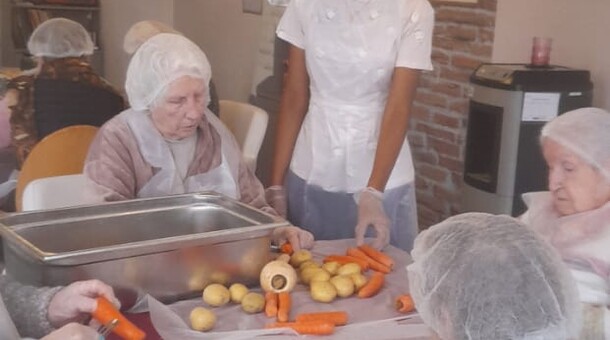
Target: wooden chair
(60, 153)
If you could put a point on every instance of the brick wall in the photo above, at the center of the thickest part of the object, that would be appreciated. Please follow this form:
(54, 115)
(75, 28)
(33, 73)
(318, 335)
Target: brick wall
(463, 38)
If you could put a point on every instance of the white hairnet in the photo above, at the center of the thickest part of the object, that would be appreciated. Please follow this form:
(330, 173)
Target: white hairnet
(60, 38)
(585, 132)
(141, 31)
(481, 276)
(159, 61)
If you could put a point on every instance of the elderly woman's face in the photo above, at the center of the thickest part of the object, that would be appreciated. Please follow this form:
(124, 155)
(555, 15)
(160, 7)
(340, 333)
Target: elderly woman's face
(575, 184)
(180, 111)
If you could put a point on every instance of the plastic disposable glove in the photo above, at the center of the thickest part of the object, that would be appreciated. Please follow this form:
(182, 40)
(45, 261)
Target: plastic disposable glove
(73, 331)
(77, 301)
(276, 197)
(371, 213)
(298, 238)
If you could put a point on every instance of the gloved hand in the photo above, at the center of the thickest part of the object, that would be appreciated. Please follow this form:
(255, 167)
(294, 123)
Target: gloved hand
(76, 301)
(73, 331)
(298, 238)
(371, 213)
(275, 196)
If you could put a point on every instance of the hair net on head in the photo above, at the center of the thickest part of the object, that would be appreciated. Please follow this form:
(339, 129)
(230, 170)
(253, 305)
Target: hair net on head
(159, 61)
(141, 31)
(585, 132)
(60, 38)
(481, 276)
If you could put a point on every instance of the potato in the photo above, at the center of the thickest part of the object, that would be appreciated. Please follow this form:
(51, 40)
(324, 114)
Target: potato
(253, 303)
(322, 291)
(202, 319)
(307, 264)
(344, 285)
(308, 273)
(216, 295)
(299, 257)
(349, 268)
(331, 267)
(320, 275)
(197, 282)
(238, 291)
(359, 280)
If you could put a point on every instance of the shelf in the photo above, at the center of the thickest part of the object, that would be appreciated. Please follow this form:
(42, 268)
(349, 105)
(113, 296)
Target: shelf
(28, 5)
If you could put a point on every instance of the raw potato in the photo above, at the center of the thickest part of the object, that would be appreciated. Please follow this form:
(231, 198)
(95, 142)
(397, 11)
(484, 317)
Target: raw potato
(202, 319)
(253, 303)
(359, 280)
(331, 267)
(322, 291)
(299, 257)
(320, 275)
(344, 285)
(216, 295)
(307, 264)
(238, 291)
(349, 268)
(308, 273)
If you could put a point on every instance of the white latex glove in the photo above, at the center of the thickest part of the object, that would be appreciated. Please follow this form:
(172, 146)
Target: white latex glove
(298, 238)
(77, 301)
(276, 197)
(73, 331)
(371, 213)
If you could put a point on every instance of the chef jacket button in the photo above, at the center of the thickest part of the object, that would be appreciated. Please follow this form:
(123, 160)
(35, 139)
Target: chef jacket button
(330, 14)
(374, 14)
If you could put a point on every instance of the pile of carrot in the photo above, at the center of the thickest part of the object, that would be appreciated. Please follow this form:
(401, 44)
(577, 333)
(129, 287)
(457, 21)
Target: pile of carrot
(322, 323)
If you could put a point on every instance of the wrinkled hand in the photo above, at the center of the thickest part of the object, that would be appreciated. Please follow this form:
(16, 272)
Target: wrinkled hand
(76, 301)
(276, 197)
(298, 238)
(73, 331)
(371, 213)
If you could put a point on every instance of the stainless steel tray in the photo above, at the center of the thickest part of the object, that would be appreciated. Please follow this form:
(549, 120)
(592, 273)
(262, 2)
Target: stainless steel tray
(168, 247)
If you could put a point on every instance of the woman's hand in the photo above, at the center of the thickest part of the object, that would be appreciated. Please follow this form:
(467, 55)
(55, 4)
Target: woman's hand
(73, 331)
(370, 212)
(76, 302)
(276, 197)
(298, 238)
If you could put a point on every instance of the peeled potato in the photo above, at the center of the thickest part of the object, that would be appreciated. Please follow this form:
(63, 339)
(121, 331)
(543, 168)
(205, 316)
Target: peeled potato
(359, 280)
(202, 319)
(238, 291)
(320, 275)
(349, 268)
(307, 264)
(331, 267)
(216, 295)
(253, 303)
(322, 291)
(299, 257)
(343, 284)
(308, 273)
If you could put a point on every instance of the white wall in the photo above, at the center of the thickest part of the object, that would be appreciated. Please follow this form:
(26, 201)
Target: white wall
(580, 30)
(116, 18)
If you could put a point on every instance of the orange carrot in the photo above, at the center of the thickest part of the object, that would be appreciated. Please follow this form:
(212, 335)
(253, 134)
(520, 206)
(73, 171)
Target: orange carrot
(405, 304)
(372, 287)
(307, 327)
(271, 304)
(286, 248)
(343, 259)
(105, 313)
(338, 318)
(374, 265)
(283, 310)
(377, 255)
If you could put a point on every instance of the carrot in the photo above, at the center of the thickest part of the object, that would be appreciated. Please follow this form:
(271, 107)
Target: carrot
(271, 304)
(343, 259)
(105, 313)
(307, 327)
(374, 265)
(283, 310)
(286, 248)
(338, 318)
(405, 304)
(372, 287)
(377, 255)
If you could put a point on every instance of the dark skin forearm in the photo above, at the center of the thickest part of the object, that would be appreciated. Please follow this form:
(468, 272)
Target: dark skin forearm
(394, 125)
(293, 107)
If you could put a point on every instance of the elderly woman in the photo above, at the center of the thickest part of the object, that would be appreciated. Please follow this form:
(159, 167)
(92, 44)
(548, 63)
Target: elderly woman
(574, 215)
(63, 90)
(54, 312)
(479, 277)
(169, 142)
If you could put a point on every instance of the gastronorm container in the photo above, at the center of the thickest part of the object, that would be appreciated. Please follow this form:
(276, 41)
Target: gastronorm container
(169, 247)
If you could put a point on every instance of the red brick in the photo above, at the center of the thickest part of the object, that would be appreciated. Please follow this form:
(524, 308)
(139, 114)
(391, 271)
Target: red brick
(486, 35)
(442, 42)
(451, 164)
(465, 62)
(440, 133)
(434, 173)
(444, 148)
(449, 88)
(489, 5)
(447, 121)
(432, 203)
(465, 16)
(416, 138)
(461, 106)
(439, 56)
(481, 51)
(420, 111)
(433, 99)
(462, 33)
(424, 157)
(456, 75)
(443, 193)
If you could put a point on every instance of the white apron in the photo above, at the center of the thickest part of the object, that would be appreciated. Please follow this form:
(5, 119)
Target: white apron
(154, 149)
(350, 54)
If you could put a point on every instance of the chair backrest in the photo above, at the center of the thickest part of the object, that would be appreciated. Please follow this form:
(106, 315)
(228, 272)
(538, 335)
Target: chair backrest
(248, 124)
(61, 153)
(54, 192)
